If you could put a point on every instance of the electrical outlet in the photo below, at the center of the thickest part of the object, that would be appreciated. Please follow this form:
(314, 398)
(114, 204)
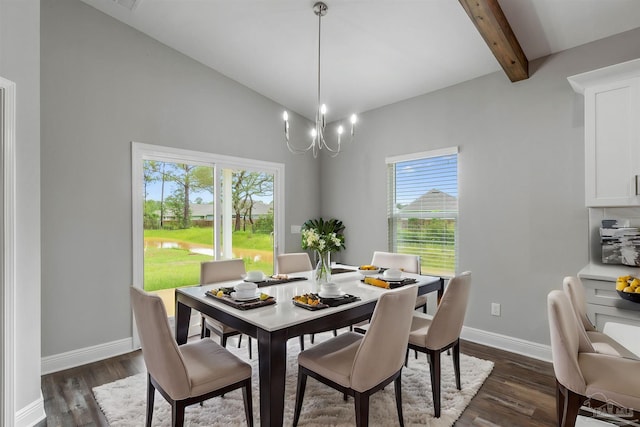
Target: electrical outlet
(495, 309)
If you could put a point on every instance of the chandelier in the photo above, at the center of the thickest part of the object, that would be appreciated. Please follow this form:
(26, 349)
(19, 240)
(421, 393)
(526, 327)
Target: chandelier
(318, 141)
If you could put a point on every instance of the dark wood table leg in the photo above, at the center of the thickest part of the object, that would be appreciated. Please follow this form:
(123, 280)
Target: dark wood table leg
(183, 316)
(272, 351)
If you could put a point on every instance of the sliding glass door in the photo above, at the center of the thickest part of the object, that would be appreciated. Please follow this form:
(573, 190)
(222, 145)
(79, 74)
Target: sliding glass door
(191, 207)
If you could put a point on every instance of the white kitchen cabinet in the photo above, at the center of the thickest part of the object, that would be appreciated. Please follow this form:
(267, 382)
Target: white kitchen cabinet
(603, 302)
(612, 134)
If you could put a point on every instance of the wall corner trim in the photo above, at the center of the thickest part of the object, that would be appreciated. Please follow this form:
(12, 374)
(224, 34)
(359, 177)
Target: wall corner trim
(31, 414)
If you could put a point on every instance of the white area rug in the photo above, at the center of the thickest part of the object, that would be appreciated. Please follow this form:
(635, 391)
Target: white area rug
(123, 401)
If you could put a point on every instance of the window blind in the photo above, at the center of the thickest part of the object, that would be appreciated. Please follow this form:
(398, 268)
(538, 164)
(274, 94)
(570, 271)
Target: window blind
(423, 208)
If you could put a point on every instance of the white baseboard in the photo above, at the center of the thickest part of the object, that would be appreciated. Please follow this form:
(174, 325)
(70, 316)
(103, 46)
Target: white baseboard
(31, 414)
(71, 359)
(507, 343)
(82, 356)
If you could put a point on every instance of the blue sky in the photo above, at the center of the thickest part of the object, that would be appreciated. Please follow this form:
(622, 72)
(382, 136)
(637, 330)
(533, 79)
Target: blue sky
(416, 177)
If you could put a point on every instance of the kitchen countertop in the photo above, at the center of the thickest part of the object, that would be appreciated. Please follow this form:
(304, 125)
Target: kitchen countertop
(607, 272)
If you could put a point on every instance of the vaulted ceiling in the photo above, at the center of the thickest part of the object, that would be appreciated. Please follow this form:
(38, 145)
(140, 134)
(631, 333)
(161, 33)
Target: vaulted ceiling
(374, 52)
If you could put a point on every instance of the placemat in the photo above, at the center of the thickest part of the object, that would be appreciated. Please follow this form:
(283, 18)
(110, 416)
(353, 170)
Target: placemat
(343, 299)
(389, 284)
(242, 305)
(270, 282)
(338, 270)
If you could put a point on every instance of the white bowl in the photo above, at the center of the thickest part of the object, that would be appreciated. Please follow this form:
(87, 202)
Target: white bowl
(392, 273)
(245, 289)
(255, 276)
(330, 289)
(369, 272)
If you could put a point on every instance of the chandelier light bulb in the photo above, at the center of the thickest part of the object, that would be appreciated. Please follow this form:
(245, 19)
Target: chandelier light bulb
(323, 109)
(340, 130)
(314, 133)
(285, 116)
(354, 119)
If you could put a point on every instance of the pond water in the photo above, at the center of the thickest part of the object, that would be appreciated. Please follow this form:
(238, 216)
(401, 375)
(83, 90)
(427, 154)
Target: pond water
(254, 254)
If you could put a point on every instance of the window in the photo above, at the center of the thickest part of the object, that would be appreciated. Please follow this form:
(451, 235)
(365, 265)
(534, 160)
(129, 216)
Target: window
(190, 207)
(423, 208)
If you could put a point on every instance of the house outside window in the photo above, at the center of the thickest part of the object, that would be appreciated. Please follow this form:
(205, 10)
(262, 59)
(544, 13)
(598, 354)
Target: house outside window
(423, 208)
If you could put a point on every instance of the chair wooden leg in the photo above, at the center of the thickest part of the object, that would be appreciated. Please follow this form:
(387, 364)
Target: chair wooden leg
(568, 406)
(203, 327)
(151, 393)
(249, 345)
(313, 337)
(177, 414)
(240, 341)
(362, 409)
(335, 332)
(248, 405)
(398, 389)
(302, 383)
(302, 342)
(456, 363)
(223, 340)
(434, 367)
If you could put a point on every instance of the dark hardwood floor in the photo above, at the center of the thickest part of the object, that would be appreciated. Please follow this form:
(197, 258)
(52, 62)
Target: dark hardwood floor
(519, 392)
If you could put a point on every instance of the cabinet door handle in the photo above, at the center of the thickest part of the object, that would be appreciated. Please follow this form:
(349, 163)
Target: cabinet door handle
(637, 194)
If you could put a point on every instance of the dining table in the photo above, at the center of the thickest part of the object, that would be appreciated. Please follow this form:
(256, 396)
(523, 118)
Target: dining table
(272, 325)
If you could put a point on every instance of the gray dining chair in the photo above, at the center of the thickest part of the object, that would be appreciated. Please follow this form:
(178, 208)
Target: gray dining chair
(215, 272)
(187, 374)
(602, 381)
(405, 262)
(295, 262)
(590, 338)
(360, 365)
(442, 332)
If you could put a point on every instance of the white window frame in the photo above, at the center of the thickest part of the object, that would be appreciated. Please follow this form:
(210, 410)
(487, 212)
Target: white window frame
(142, 151)
(391, 191)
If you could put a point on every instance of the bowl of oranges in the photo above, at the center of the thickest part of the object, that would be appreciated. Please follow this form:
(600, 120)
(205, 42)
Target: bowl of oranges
(628, 287)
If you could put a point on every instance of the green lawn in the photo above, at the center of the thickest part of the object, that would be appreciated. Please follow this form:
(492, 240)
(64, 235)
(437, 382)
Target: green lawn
(166, 268)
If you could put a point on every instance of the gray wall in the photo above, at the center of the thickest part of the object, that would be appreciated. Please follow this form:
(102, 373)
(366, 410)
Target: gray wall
(20, 63)
(103, 86)
(523, 222)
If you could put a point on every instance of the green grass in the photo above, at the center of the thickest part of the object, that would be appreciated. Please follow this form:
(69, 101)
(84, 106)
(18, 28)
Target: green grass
(175, 267)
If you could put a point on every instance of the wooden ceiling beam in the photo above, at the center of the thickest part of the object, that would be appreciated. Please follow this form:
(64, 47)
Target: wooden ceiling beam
(494, 28)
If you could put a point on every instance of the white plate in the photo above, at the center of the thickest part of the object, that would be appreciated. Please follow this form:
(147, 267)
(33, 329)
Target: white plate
(233, 295)
(325, 295)
(369, 272)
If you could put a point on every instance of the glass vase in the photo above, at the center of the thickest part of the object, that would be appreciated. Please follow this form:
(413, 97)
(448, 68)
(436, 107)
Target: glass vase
(323, 268)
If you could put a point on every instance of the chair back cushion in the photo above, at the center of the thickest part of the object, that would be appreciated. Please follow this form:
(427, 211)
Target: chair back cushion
(575, 291)
(447, 322)
(221, 271)
(294, 262)
(563, 328)
(159, 349)
(404, 262)
(384, 345)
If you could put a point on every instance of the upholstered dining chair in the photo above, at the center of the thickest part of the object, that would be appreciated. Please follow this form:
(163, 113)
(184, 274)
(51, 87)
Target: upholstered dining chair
(360, 365)
(294, 263)
(186, 374)
(214, 272)
(442, 332)
(600, 380)
(590, 338)
(404, 262)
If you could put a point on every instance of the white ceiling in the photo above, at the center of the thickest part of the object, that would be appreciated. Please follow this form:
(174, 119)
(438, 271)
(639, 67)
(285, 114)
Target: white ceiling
(374, 52)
